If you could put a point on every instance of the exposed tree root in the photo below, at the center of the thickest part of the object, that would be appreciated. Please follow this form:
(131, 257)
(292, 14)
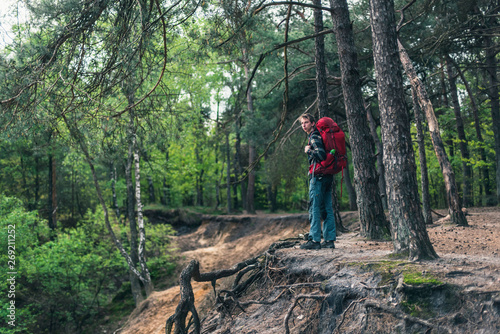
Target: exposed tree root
(295, 302)
(337, 329)
(402, 315)
(225, 298)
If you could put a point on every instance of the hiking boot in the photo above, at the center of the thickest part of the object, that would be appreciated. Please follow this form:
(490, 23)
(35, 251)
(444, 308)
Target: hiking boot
(328, 244)
(311, 245)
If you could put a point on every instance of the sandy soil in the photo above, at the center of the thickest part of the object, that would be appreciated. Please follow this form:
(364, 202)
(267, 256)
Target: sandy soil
(468, 256)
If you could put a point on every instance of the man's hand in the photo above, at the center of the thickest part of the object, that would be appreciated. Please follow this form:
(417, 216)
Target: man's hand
(307, 148)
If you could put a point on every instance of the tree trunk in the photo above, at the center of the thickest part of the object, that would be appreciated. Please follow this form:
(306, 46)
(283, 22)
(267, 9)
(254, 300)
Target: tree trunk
(322, 94)
(135, 285)
(146, 278)
(113, 189)
(491, 68)
(52, 192)
(463, 143)
(252, 155)
(339, 226)
(217, 183)
(424, 175)
(252, 152)
(37, 182)
(164, 197)
(380, 157)
(374, 224)
(239, 167)
(477, 126)
(408, 227)
(444, 94)
(454, 204)
(319, 43)
(350, 189)
(271, 196)
(228, 177)
(151, 188)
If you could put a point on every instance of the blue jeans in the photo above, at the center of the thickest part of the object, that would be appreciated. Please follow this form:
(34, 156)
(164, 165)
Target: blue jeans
(320, 204)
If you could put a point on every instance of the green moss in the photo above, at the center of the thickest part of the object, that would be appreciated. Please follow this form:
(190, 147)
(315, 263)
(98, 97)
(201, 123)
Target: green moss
(417, 278)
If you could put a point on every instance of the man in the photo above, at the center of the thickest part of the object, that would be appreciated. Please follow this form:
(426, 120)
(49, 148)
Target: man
(320, 190)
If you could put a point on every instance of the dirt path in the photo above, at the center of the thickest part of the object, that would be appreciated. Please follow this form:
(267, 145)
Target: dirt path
(468, 256)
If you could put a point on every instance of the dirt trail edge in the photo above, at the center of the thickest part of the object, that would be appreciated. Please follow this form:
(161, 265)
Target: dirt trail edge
(358, 287)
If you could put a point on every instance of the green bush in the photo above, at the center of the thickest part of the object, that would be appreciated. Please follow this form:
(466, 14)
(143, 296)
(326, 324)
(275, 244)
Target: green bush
(64, 282)
(60, 284)
(20, 231)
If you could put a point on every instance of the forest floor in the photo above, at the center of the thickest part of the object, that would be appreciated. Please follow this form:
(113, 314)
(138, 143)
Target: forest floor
(468, 258)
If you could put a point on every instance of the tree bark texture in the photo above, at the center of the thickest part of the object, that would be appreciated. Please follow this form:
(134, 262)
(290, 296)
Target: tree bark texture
(424, 175)
(252, 154)
(453, 198)
(350, 189)
(146, 278)
(374, 224)
(228, 174)
(408, 228)
(336, 208)
(463, 143)
(135, 285)
(380, 157)
(491, 68)
(239, 166)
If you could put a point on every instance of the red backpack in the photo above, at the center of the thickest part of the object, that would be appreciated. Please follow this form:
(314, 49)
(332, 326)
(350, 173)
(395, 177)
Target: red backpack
(334, 142)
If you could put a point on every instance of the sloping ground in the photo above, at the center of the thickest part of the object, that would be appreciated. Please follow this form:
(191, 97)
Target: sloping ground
(356, 288)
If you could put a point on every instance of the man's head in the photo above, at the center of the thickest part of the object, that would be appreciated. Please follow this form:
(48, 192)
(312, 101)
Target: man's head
(307, 122)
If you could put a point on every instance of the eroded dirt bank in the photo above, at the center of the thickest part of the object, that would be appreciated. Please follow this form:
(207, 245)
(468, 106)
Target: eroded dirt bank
(356, 288)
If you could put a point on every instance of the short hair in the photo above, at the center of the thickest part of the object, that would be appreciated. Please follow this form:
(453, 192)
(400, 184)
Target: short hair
(308, 116)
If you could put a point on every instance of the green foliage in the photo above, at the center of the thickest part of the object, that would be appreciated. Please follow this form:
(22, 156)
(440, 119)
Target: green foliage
(20, 231)
(161, 261)
(60, 283)
(72, 277)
